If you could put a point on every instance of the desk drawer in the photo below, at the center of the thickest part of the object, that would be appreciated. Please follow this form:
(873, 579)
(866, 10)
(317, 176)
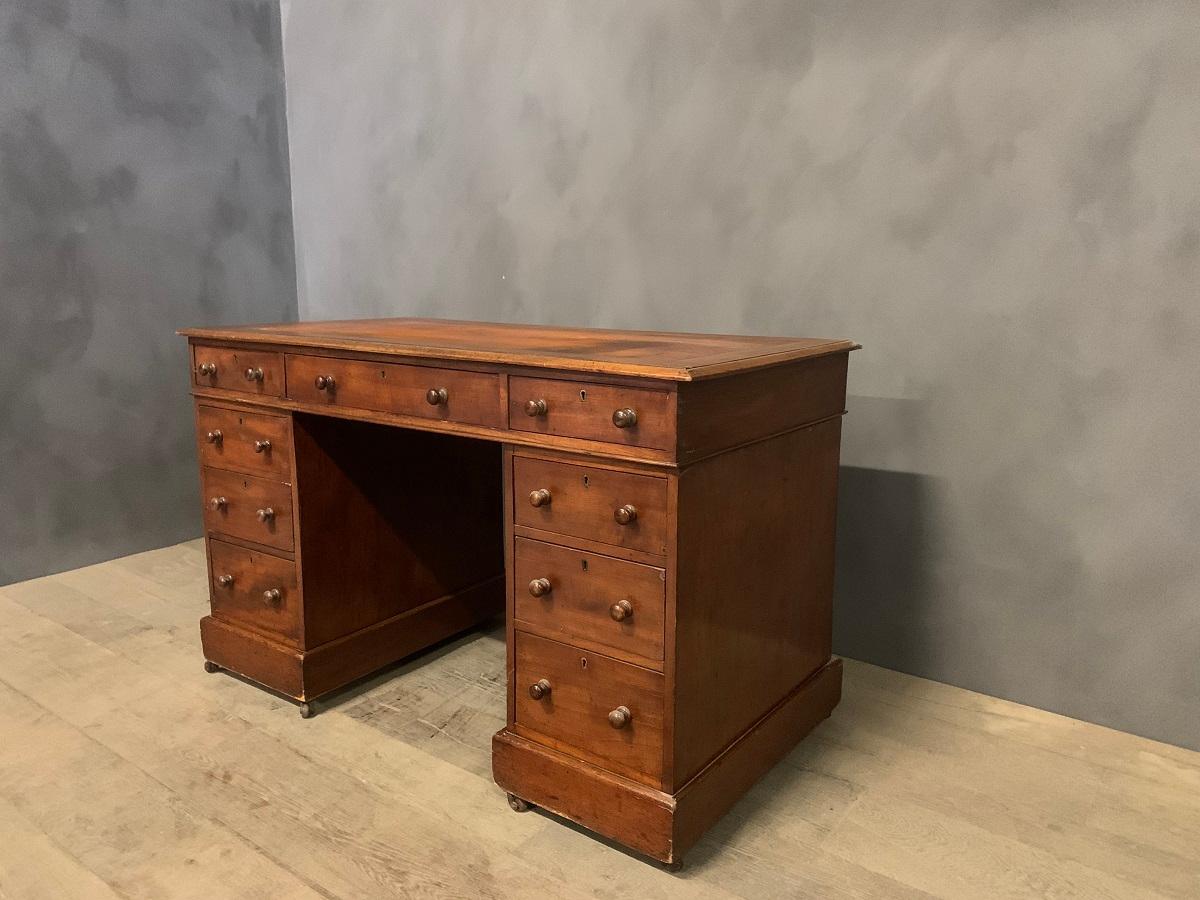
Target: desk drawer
(250, 508)
(245, 442)
(254, 589)
(426, 392)
(584, 690)
(587, 596)
(256, 372)
(618, 508)
(592, 411)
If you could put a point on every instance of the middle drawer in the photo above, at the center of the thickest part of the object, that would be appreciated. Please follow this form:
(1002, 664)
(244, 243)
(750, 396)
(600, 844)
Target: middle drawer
(424, 392)
(621, 508)
(579, 595)
(253, 509)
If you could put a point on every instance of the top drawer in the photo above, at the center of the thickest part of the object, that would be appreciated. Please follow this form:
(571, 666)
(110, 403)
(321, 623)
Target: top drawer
(244, 371)
(636, 417)
(425, 392)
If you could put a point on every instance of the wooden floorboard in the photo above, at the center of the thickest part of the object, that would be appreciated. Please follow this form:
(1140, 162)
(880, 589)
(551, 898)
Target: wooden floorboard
(126, 771)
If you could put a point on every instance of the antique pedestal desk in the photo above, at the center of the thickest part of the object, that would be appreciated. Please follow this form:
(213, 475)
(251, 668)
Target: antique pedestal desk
(653, 512)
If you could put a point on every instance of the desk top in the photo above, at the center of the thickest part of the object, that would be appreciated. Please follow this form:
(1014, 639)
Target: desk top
(654, 354)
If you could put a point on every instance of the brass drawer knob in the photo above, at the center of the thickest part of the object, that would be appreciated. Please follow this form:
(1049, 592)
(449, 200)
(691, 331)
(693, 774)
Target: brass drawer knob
(535, 408)
(225, 580)
(254, 374)
(214, 436)
(540, 497)
(625, 418)
(625, 514)
(620, 717)
(217, 503)
(324, 382)
(540, 689)
(272, 596)
(263, 446)
(206, 369)
(266, 514)
(621, 610)
(437, 396)
(539, 587)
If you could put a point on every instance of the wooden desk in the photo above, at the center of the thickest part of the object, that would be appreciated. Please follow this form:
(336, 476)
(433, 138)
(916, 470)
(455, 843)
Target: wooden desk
(654, 512)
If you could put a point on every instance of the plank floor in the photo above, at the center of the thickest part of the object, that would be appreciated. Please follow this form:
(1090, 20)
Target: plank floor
(126, 771)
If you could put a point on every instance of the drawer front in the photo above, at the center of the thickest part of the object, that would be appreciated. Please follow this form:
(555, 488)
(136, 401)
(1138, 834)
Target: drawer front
(232, 505)
(585, 595)
(586, 502)
(581, 410)
(258, 372)
(245, 442)
(254, 589)
(585, 688)
(469, 397)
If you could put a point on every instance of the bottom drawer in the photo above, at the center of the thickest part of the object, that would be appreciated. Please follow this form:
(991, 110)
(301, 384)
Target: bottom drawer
(254, 589)
(604, 711)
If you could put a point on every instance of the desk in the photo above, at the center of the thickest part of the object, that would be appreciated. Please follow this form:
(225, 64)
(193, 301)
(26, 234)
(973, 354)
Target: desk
(653, 512)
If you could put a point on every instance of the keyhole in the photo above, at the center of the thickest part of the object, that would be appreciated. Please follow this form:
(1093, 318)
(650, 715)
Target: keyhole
(585, 481)
(583, 395)
(241, 421)
(382, 373)
(584, 564)
(583, 662)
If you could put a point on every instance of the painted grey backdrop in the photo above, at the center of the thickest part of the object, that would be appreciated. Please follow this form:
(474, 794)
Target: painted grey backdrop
(143, 186)
(1001, 201)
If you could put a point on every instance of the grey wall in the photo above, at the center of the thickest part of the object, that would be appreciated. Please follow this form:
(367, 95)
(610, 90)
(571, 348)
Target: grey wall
(1000, 200)
(143, 187)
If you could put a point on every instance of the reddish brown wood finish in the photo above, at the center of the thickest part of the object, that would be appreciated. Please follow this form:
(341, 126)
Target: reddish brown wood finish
(707, 527)
(584, 589)
(585, 410)
(239, 516)
(243, 583)
(585, 688)
(471, 397)
(584, 501)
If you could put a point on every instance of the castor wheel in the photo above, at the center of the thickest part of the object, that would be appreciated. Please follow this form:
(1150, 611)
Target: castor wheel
(307, 710)
(210, 666)
(675, 866)
(517, 804)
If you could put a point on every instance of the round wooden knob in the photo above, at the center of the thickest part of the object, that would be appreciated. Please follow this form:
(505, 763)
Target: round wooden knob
(262, 446)
(620, 717)
(436, 396)
(266, 514)
(254, 374)
(324, 382)
(207, 369)
(225, 580)
(625, 514)
(217, 503)
(272, 596)
(214, 436)
(535, 408)
(540, 689)
(539, 587)
(621, 610)
(625, 418)
(540, 497)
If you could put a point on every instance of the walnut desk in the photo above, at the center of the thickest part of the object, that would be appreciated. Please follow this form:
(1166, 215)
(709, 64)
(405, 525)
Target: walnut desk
(654, 512)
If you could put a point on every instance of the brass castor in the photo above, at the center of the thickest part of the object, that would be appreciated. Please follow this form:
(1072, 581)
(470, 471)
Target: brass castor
(210, 666)
(307, 710)
(517, 804)
(673, 866)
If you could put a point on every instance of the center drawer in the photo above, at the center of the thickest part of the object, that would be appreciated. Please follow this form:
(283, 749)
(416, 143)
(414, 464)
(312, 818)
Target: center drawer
(621, 508)
(253, 509)
(586, 596)
(254, 588)
(607, 711)
(424, 392)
